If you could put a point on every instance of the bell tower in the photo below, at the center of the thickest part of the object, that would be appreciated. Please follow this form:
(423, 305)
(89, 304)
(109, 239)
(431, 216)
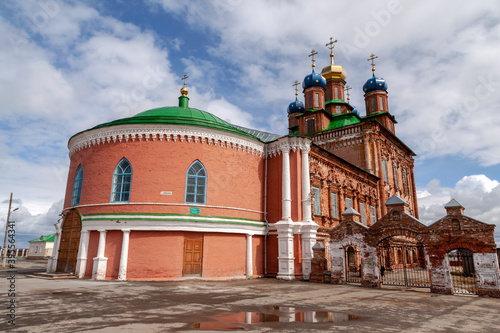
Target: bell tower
(376, 98)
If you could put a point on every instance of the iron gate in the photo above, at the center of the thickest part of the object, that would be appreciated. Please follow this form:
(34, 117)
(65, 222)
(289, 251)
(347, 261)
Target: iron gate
(463, 274)
(404, 265)
(353, 264)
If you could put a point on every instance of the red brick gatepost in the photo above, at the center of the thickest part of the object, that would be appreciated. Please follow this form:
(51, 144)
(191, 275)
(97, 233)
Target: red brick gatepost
(457, 231)
(318, 263)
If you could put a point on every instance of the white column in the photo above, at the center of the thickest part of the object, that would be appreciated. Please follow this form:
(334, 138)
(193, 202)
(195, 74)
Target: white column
(17, 252)
(249, 256)
(285, 226)
(309, 227)
(81, 261)
(285, 250)
(306, 187)
(286, 197)
(100, 262)
(122, 272)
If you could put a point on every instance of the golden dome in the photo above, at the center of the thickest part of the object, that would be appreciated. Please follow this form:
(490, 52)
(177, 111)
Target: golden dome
(184, 91)
(333, 71)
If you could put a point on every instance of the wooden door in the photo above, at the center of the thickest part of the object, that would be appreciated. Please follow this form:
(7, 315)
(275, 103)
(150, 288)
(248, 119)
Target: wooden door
(70, 241)
(193, 250)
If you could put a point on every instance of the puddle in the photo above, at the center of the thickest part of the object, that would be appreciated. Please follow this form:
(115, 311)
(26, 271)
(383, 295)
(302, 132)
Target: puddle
(231, 320)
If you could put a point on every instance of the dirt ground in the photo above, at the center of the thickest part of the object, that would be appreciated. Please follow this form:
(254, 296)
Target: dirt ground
(261, 305)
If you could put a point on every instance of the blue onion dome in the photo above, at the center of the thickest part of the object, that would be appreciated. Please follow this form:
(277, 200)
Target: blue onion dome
(374, 83)
(296, 106)
(314, 80)
(355, 111)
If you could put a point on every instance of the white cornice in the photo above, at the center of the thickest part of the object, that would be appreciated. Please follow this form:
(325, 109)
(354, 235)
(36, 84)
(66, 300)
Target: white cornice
(288, 143)
(151, 224)
(126, 133)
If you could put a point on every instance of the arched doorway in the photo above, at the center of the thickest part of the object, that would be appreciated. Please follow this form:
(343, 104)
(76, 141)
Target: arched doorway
(353, 264)
(70, 241)
(463, 274)
(402, 262)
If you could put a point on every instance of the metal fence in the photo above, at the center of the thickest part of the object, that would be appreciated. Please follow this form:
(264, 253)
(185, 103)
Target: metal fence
(353, 264)
(404, 266)
(463, 274)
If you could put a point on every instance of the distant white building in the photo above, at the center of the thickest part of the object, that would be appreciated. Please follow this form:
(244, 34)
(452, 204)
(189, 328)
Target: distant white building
(41, 247)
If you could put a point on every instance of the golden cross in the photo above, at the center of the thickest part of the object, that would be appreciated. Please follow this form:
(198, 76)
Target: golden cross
(372, 57)
(313, 53)
(331, 45)
(184, 78)
(347, 88)
(296, 83)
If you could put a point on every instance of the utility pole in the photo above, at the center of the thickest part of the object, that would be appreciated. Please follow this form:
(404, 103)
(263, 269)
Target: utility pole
(4, 249)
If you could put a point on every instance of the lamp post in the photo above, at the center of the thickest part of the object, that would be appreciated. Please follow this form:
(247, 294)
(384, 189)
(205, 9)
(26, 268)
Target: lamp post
(4, 249)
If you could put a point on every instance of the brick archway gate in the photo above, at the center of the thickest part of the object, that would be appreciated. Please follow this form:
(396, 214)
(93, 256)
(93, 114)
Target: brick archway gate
(454, 231)
(402, 262)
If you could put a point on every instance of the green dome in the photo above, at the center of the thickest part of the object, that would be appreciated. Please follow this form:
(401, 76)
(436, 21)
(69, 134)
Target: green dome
(175, 115)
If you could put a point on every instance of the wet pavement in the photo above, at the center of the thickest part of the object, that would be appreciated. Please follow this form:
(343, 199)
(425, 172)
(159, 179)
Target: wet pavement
(261, 305)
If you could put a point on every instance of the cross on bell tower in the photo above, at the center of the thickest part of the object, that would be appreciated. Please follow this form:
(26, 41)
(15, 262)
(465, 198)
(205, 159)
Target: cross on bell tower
(296, 84)
(372, 58)
(331, 45)
(347, 88)
(313, 53)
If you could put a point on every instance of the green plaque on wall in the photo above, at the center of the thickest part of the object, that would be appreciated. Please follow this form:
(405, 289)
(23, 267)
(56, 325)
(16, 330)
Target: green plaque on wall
(194, 210)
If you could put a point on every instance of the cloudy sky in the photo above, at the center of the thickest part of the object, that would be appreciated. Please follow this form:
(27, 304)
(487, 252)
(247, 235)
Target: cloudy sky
(69, 65)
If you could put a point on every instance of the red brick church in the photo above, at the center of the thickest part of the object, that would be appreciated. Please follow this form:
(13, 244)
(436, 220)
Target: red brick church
(176, 192)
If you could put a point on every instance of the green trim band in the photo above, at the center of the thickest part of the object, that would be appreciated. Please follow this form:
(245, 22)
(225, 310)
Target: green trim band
(169, 214)
(189, 220)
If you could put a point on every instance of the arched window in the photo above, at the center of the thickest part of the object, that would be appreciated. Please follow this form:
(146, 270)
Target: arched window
(77, 187)
(196, 184)
(122, 181)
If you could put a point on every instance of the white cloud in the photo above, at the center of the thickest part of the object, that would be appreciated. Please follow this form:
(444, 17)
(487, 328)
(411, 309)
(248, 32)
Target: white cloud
(66, 69)
(435, 57)
(477, 193)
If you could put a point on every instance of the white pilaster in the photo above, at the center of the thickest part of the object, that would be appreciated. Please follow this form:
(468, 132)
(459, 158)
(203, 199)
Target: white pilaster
(249, 256)
(286, 197)
(122, 271)
(81, 261)
(100, 262)
(285, 250)
(308, 240)
(306, 187)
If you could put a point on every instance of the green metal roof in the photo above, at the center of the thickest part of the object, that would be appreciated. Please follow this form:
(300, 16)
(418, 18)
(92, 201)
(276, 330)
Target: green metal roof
(177, 115)
(343, 119)
(337, 101)
(48, 238)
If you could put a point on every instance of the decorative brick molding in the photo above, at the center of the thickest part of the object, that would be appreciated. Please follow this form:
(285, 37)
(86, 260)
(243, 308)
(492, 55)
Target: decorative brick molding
(126, 133)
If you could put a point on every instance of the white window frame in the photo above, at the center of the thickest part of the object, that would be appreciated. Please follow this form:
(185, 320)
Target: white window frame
(373, 214)
(362, 211)
(316, 200)
(335, 207)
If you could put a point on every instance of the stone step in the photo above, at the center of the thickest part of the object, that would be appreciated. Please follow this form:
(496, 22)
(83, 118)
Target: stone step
(53, 276)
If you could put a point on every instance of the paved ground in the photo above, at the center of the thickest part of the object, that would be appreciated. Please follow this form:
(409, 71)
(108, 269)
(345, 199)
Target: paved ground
(108, 306)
